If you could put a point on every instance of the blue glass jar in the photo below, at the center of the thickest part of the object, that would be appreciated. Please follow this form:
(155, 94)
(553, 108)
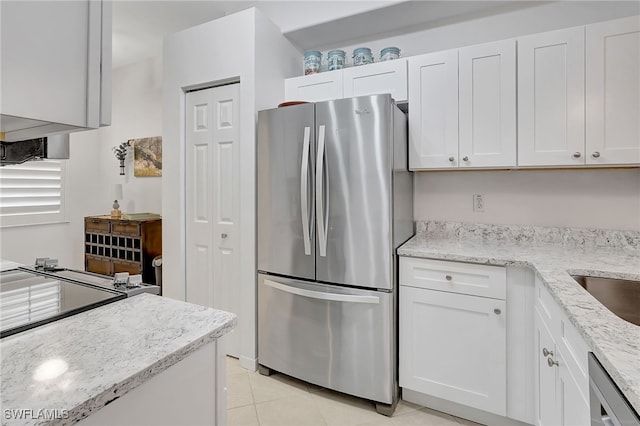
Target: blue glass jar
(335, 59)
(312, 59)
(389, 53)
(362, 56)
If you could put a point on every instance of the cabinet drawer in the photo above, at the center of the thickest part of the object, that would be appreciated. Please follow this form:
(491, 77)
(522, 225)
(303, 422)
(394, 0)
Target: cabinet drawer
(96, 264)
(125, 228)
(130, 267)
(319, 87)
(454, 277)
(375, 79)
(102, 226)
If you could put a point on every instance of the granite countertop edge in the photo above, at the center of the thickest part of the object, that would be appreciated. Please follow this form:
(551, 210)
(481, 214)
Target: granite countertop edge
(123, 387)
(150, 344)
(599, 327)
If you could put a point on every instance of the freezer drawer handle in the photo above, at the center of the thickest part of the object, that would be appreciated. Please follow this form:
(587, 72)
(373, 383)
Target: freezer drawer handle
(320, 195)
(321, 295)
(304, 192)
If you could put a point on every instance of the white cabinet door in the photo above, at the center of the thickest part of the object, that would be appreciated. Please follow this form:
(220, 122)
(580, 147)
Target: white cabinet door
(573, 407)
(374, 79)
(546, 407)
(433, 116)
(453, 346)
(314, 87)
(551, 98)
(56, 66)
(613, 92)
(488, 105)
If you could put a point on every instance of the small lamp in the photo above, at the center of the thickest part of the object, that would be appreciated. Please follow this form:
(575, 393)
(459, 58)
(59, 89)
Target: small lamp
(116, 194)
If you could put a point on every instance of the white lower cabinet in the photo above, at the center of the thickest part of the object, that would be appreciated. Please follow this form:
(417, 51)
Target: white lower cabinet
(562, 393)
(452, 345)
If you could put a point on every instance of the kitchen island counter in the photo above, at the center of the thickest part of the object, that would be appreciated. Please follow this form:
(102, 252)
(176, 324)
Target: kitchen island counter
(615, 342)
(64, 371)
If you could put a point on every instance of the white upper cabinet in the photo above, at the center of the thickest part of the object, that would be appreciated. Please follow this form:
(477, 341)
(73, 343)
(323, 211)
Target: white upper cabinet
(613, 92)
(375, 79)
(487, 105)
(372, 79)
(433, 112)
(551, 98)
(314, 87)
(56, 67)
(462, 108)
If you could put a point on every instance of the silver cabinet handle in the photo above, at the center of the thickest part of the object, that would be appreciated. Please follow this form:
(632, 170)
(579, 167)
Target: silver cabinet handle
(334, 297)
(551, 362)
(577, 155)
(546, 352)
(321, 220)
(223, 236)
(451, 159)
(448, 277)
(596, 154)
(465, 158)
(304, 191)
(497, 311)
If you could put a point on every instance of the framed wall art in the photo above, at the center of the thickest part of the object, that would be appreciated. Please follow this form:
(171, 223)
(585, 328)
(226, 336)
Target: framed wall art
(147, 156)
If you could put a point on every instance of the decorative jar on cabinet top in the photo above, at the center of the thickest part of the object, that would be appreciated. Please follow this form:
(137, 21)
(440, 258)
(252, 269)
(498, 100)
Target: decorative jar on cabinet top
(389, 53)
(312, 59)
(362, 56)
(335, 59)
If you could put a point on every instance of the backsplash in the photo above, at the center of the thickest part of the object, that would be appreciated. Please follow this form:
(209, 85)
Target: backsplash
(584, 237)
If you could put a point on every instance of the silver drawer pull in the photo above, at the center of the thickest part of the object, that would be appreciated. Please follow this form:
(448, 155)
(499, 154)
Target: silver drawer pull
(551, 362)
(223, 236)
(546, 352)
(497, 311)
(448, 277)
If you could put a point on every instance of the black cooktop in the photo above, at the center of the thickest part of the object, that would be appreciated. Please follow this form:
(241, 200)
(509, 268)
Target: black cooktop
(29, 299)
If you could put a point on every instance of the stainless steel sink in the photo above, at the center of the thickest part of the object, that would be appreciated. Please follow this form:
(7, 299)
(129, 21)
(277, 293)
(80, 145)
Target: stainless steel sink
(622, 297)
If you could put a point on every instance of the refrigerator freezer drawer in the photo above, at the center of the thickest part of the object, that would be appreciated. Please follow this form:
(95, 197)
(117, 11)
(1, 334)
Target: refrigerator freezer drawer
(335, 337)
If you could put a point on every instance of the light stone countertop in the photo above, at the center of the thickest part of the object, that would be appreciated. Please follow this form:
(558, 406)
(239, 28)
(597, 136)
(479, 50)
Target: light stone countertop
(615, 342)
(99, 355)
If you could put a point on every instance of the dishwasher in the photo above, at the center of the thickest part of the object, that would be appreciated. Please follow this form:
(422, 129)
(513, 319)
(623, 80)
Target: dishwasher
(609, 407)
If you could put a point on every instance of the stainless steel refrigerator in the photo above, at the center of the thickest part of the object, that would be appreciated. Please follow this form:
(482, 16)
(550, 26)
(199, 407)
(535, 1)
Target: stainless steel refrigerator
(335, 200)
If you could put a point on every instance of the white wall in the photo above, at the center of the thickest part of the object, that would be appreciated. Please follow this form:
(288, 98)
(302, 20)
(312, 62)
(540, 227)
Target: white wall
(596, 198)
(226, 50)
(137, 112)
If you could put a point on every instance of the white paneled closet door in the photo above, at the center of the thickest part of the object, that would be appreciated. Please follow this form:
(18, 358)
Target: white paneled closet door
(213, 201)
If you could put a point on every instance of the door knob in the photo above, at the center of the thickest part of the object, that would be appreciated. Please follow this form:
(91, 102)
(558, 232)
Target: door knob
(577, 155)
(451, 159)
(546, 352)
(497, 311)
(595, 154)
(551, 362)
(465, 158)
(448, 277)
(223, 236)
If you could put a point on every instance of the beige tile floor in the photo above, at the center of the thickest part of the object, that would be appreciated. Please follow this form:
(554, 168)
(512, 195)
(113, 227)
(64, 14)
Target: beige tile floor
(280, 400)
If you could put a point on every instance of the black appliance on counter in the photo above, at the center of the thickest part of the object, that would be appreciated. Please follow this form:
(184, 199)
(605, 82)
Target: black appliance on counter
(31, 296)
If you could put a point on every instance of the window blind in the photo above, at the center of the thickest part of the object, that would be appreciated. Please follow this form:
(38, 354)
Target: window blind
(33, 193)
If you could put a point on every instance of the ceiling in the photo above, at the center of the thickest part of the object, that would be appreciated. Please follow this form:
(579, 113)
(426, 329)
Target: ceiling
(140, 26)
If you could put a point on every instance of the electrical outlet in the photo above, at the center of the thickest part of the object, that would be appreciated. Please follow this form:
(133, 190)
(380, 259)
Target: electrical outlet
(478, 203)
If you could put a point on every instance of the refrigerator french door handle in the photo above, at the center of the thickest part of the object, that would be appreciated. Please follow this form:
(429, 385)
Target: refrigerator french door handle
(304, 191)
(334, 297)
(320, 217)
